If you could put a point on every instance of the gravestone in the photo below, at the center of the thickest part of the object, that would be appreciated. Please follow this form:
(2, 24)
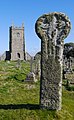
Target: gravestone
(37, 70)
(70, 64)
(52, 29)
(18, 64)
(31, 76)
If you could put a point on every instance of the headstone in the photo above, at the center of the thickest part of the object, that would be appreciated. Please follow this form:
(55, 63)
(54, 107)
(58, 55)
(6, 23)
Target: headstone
(70, 64)
(64, 66)
(31, 64)
(52, 29)
(18, 64)
(37, 70)
(31, 76)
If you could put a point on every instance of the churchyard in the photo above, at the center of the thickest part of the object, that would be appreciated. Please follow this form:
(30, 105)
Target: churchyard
(38, 89)
(20, 100)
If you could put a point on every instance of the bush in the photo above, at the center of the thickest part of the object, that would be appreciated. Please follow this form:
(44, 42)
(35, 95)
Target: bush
(69, 87)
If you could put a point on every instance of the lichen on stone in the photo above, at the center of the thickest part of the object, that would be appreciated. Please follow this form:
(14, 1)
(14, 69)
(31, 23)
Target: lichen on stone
(52, 29)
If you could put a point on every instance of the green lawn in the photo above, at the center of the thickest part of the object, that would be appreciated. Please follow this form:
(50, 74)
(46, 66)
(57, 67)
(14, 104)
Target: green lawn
(20, 100)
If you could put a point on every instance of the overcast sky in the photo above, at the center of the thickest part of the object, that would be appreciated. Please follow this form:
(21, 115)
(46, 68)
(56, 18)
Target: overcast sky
(27, 12)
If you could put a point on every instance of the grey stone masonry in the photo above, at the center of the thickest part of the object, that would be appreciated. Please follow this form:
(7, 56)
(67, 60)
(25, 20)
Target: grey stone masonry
(17, 43)
(52, 29)
(5, 56)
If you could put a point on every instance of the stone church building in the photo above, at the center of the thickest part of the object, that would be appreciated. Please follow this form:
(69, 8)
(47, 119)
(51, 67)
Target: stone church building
(16, 45)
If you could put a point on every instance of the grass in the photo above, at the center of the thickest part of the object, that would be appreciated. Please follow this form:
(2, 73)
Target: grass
(20, 100)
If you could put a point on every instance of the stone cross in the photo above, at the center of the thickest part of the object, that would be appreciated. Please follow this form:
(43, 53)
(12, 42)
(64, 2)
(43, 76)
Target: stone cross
(31, 65)
(52, 29)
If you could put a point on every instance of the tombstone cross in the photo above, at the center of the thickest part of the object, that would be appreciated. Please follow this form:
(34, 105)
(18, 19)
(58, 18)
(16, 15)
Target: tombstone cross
(52, 29)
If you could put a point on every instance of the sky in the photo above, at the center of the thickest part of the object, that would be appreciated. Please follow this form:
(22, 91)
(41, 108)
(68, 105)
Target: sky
(27, 12)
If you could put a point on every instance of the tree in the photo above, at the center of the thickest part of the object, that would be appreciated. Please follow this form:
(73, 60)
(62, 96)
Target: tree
(69, 49)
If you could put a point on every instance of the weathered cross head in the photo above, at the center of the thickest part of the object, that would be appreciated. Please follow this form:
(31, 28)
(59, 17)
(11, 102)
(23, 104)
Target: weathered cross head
(52, 29)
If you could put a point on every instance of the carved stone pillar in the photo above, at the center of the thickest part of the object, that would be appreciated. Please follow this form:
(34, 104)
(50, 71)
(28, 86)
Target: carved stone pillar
(52, 29)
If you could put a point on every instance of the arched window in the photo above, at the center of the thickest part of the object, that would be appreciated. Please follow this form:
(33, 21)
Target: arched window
(18, 54)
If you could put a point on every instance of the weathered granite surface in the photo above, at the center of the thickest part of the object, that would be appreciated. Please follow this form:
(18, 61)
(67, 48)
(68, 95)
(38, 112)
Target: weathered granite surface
(52, 29)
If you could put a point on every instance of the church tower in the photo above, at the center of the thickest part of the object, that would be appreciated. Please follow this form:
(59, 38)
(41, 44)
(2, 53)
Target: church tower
(17, 43)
